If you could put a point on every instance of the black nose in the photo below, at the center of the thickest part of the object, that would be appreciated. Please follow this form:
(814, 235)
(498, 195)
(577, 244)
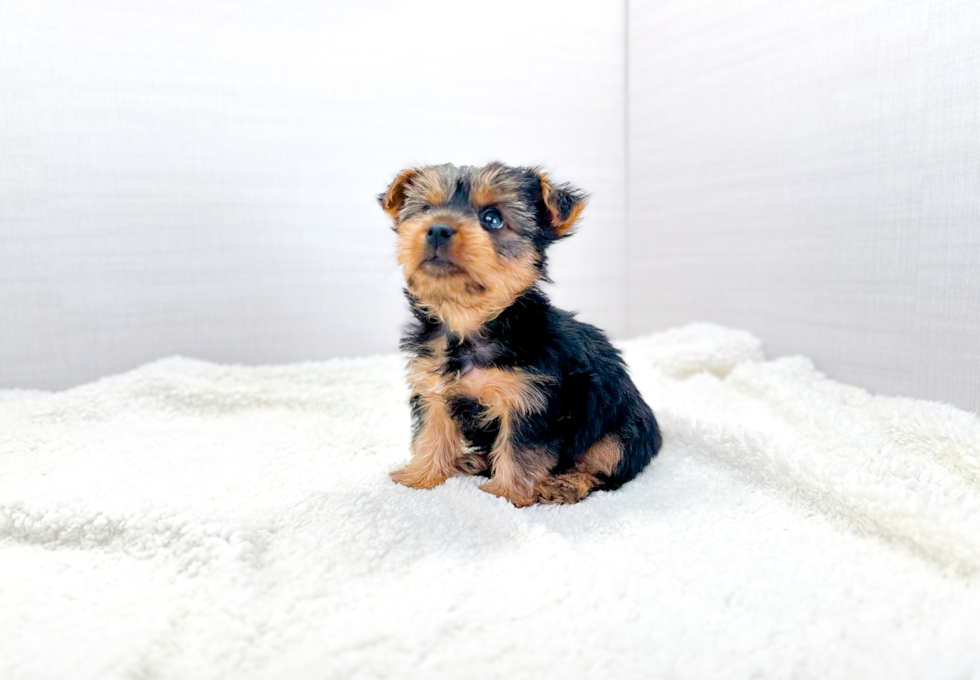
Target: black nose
(439, 234)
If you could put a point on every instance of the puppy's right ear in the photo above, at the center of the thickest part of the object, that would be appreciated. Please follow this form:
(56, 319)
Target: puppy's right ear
(393, 199)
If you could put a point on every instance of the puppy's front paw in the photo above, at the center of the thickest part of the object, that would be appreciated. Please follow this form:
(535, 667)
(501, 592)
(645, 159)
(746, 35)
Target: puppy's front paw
(519, 496)
(418, 477)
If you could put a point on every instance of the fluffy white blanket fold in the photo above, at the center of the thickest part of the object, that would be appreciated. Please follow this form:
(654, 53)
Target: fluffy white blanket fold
(190, 520)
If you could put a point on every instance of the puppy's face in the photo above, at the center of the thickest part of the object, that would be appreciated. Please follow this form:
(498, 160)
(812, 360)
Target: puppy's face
(470, 240)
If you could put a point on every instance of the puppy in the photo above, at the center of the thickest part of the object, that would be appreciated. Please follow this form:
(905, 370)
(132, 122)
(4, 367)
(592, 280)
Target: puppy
(503, 384)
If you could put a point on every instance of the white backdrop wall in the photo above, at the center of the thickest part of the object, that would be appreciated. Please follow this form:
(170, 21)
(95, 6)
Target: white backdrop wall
(810, 170)
(199, 177)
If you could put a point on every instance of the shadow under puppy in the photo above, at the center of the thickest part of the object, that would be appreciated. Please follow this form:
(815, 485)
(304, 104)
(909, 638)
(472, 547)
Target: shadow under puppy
(503, 384)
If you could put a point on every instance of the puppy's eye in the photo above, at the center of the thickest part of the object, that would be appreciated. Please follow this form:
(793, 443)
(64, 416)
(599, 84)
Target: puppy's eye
(491, 219)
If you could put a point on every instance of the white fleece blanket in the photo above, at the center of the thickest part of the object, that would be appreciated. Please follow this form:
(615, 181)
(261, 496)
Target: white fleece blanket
(190, 520)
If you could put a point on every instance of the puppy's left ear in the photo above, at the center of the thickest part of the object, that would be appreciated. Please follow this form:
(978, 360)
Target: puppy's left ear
(393, 199)
(564, 204)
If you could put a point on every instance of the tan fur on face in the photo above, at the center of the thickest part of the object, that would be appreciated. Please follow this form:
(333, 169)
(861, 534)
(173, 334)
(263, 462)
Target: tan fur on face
(485, 282)
(492, 186)
(486, 285)
(430, 186)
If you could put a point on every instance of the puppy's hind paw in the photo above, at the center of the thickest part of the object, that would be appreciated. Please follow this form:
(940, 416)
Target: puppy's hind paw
(565, 489)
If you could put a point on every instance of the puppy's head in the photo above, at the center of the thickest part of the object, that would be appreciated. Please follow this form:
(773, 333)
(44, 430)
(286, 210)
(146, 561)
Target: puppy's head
(471, 240)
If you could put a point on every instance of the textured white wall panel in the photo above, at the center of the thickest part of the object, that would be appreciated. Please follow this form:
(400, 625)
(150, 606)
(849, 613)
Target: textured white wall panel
(199, 177)
(810, 170)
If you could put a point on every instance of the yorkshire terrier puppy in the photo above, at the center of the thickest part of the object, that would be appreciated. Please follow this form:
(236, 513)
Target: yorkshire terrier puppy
(503, 384)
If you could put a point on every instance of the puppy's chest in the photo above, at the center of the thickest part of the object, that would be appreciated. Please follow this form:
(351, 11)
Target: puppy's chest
(469, 356)
(458, 369)
(470, 379)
